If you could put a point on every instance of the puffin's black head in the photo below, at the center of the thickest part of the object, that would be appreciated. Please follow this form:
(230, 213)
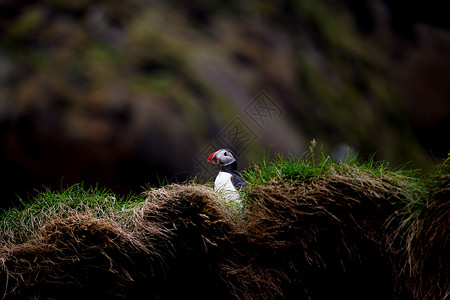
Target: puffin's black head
(222, 157)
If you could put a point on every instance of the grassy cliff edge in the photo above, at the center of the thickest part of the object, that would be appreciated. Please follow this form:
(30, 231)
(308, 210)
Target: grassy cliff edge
(310, 228)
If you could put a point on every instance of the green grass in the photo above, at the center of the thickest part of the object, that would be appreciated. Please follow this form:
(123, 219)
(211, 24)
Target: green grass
(19, 224)
(413, 185)
(309, 167)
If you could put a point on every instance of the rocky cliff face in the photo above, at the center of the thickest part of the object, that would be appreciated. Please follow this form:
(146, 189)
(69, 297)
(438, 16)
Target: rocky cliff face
(117, 94)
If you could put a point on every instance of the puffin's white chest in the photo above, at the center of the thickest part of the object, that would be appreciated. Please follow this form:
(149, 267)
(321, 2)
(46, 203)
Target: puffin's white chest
(224, 185)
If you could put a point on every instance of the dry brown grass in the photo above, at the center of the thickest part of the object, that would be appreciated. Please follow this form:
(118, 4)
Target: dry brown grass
(427, 239)
(312, 235)
(335, 237)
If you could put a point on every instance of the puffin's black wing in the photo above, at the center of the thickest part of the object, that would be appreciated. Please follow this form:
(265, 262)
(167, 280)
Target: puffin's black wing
(237, 182)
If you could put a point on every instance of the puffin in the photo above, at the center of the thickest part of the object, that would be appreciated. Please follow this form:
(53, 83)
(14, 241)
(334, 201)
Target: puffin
(228, 181)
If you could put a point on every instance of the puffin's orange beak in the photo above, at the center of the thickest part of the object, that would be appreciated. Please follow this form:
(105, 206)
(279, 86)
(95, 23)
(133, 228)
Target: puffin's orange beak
(212, 158)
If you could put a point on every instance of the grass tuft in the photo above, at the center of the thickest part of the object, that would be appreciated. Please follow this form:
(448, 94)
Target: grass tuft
(21, 224)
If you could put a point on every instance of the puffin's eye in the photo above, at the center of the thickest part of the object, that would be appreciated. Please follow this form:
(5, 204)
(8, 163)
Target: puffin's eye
(225, 154)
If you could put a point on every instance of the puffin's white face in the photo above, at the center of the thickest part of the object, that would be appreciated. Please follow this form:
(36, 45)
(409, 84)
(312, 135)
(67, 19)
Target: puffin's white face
(222, 157)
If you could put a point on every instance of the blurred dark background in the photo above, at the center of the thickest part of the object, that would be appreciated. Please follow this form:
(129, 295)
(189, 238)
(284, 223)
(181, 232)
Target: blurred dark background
(127, 93)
